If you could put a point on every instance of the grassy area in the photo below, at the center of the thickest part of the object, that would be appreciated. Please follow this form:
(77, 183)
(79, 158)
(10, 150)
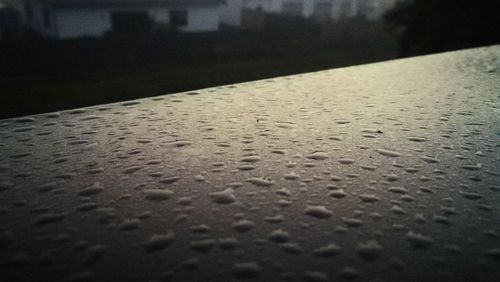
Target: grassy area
(30, 95)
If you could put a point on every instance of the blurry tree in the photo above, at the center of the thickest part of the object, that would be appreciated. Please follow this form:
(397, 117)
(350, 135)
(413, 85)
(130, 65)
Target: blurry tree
(130, 23)
(434, 26)
(10, 24)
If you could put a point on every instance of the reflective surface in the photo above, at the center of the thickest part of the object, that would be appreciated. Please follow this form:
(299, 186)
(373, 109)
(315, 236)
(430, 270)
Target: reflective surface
(387, 171)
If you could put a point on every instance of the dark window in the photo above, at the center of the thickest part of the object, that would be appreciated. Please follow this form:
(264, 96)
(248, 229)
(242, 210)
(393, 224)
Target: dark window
(28, 9)
(46, 17)
(125, 23)
(178, 18)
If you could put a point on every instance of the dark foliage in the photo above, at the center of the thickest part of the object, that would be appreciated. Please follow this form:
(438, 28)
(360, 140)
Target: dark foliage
(131, 23)
(136, 46)
(436, 26)
(10, 24)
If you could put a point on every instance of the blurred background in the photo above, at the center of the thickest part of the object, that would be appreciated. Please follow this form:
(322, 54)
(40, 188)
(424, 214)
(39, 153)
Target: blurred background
(61, 54)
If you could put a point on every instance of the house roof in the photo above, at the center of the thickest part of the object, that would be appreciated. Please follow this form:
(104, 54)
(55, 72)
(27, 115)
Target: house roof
(128, 3)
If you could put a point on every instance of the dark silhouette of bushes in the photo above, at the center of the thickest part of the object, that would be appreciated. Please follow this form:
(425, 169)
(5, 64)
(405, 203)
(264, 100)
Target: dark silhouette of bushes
(434, 26)
(139, 46)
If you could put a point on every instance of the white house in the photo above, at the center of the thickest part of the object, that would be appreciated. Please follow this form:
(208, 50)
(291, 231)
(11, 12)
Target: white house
(317, 9)
(79, 18)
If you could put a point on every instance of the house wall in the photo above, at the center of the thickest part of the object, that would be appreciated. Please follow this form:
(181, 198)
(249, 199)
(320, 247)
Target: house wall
(202, 19)
(268, 6)
(79, 23)
(231, 12)
(308, 7)
(344, 9)
(322, 10)
(369, 9)
(160, 15)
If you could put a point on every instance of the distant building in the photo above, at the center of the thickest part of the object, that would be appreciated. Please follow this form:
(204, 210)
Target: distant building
(320, 10)
(79, 18)
(234, 11)
(372, 9)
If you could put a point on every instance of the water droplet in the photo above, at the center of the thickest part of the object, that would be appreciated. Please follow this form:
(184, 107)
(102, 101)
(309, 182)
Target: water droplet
(178, 144)
(315, 276)
(349, 273)
(291, 248)
(430, 159)
(93, 189)
(369, 250)
(6, 239)
(159, 242)
(250, 159)
(132, 169)
(228, 243)
(48, 218)
(471, 195)
(493, 253)
(5, 185)
(318, 156)
(471, 167)
(328, 250)
(318, 211)
(129, 224)
(243, 225)
(246, 270)
(352, 222)
(279, 236)
(170, 180)
(369, 198)
(417, 139)
(398, 190)
(388, 153)
(291, 176)
(94, 254)
(339, 193)
(203, 246)
(157, 194)
(260, 181)
(223, 197)
(418, 240)
(346, 161)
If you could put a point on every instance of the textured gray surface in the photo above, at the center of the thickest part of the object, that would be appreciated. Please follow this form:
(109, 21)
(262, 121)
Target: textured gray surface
(387, 171)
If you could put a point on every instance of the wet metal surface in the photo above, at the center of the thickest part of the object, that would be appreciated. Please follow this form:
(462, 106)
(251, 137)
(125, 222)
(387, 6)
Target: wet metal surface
(382, 172)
